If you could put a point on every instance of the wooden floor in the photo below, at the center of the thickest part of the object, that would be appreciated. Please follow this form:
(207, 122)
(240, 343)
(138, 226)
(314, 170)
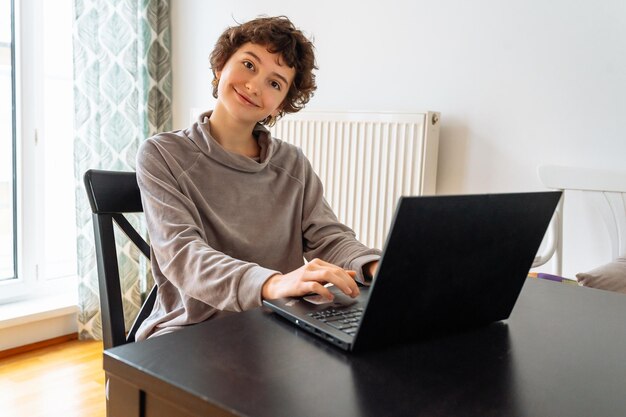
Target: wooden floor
(61, 380)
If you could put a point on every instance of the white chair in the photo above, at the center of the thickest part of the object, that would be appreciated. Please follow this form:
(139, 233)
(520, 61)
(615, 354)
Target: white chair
(605, 190)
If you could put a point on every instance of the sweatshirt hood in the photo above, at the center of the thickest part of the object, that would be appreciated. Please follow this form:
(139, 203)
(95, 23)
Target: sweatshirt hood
(200, 135)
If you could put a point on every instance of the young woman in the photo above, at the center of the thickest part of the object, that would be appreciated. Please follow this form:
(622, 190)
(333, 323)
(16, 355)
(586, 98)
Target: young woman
(231, 211)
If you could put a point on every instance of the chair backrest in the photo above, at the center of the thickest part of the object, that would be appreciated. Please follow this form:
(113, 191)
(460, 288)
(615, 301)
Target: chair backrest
(605, 190)
(111, 194)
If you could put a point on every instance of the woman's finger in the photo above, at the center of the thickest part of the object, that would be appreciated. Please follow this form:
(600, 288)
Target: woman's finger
(317, 288)
(339, 277)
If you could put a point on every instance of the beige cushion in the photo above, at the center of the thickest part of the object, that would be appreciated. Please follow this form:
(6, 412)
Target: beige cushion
(611, 276)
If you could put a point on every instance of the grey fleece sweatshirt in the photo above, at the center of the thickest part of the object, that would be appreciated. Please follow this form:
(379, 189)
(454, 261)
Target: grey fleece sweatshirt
(220, 224)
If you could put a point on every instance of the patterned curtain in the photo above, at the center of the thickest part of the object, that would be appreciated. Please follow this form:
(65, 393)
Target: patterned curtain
(122, 95)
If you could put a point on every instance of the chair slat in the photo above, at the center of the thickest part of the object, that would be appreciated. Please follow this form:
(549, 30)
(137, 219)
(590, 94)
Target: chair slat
(132, 234)
(113, 191)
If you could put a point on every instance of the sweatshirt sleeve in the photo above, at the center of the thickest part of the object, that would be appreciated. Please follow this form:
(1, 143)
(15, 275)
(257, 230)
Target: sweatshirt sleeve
(324, 236)
(179, 244)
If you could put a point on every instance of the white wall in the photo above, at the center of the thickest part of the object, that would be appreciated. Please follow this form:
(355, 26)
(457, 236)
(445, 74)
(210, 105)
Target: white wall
(518, 83)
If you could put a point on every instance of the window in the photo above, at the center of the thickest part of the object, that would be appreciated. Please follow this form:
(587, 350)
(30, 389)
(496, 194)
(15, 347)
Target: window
(37, 204)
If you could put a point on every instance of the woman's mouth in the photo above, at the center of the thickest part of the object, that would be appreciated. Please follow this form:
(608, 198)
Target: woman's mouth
(245, 98)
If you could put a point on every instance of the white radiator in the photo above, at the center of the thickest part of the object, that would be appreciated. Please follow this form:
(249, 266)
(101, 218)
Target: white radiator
(366, 161)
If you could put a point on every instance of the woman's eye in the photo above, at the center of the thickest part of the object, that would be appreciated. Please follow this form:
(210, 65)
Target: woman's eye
(275, 85)
(248, 64)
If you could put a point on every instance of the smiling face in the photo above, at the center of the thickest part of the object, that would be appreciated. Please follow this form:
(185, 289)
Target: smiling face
(253, 84)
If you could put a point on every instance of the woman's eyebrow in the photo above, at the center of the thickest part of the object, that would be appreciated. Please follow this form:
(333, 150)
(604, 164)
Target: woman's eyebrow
(256, 57)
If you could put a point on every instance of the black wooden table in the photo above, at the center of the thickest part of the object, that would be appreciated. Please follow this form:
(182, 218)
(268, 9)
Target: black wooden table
(561, 353)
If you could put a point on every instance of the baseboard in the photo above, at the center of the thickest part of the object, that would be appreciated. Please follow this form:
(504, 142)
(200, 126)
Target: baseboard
(33, 320)
(38, 345)
(31, 332)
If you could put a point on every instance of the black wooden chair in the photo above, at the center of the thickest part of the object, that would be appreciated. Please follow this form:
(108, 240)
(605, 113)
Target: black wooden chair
(111, 194)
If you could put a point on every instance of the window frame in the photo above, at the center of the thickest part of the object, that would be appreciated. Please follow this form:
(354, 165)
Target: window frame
(13, 144)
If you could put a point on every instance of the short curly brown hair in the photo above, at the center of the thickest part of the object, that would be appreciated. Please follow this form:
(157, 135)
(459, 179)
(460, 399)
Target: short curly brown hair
(279, 35)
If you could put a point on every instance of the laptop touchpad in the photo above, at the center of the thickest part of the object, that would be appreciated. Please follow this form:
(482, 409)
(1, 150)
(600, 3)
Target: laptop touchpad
(341, 300)
(317, 299)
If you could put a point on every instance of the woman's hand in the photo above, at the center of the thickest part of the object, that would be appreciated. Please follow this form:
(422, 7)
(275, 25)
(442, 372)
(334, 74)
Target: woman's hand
(371, 268)
(310, 278)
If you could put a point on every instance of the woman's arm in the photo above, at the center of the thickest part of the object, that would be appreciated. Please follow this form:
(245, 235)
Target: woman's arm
(325, 237)
(179, 243)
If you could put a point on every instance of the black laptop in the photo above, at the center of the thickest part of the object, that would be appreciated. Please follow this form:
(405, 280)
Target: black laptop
(450, 263)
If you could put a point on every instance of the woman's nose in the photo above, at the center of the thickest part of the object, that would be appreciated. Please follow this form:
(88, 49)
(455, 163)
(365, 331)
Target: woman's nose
(252, 85)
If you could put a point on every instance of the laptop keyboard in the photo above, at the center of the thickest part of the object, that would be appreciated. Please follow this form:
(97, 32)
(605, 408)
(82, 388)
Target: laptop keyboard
(346, 320)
